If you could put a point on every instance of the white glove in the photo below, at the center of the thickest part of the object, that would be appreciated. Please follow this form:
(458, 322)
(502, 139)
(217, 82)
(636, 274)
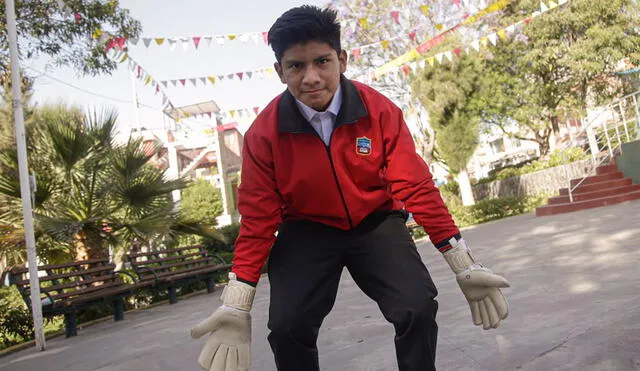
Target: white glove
(228, 347)
(480, 286)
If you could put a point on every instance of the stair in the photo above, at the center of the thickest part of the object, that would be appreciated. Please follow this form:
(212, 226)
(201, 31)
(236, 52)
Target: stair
(607, 187)
(196, 160)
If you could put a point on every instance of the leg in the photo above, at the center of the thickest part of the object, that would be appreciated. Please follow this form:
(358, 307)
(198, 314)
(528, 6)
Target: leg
(70, 323)
(211, 284)
(387, 267)
(173, 298)
(304, 272)
(118, 309)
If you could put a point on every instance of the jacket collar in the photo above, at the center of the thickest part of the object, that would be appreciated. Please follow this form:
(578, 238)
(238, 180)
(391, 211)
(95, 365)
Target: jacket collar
(290, 120)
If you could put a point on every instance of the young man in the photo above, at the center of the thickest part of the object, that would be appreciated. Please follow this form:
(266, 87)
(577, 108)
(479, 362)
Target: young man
(331, 166)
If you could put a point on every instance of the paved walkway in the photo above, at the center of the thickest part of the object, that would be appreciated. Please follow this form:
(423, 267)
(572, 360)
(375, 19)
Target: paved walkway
(575, 305)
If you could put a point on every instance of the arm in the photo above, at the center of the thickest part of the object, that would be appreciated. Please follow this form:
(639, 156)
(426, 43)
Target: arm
(260, 207)
(411, 181)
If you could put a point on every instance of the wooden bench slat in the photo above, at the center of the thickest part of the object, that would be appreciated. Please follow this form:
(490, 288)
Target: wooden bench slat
(85, 290)
(167, 251)
(62, 265)
(173, 257)
(165, 267)
(78, 283)
(183, 274)
(107, 267)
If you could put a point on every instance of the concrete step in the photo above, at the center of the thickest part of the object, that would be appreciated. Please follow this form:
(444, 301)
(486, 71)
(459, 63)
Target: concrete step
(598, 178)
(606, 169)
(607, 184)
(605, 192)
(588, 204)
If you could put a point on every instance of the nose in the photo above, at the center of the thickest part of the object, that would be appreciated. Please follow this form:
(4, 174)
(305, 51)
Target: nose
(311, 76)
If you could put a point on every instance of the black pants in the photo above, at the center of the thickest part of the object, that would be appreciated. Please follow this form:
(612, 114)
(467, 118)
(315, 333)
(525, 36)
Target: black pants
(305, 266)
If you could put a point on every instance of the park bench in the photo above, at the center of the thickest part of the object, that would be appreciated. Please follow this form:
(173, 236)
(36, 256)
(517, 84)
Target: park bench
(69, 287)
(169, 268)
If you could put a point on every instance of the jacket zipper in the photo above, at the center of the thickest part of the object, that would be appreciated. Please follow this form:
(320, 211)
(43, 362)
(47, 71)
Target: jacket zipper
(335, 176)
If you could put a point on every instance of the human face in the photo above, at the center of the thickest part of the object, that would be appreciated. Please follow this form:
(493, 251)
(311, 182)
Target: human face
(312, 72)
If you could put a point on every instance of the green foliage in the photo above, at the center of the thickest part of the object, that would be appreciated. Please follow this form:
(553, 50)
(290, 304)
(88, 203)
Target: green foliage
(68, 36)
(16, 324)
(230, 233)
(201, 202)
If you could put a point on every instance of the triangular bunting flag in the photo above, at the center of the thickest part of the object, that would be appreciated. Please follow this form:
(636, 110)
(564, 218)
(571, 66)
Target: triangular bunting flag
(493, 38)
(212, 79)
(244, 38)
(476, 45)
(552, 4)
(196, 41)
(133, 41)
(209, 114)
(449, 55)
(511, 29)
(265, 37)
(484, 41)
(457, 51)
(208, 39)
(249, 74)
(412, 35)
(256, 109)
(164, 100)
(183, 81)
(148, 80)
(439, 57)
(159, 40)
(385, 44)
(174, 82)
(220, 40)
(255, 37)
(503, 34)
(164, 83)
(232, 113)
(439, 26)
(220, 77)
(240, 74)
(230, 76)
(146, 42)
(396, 16)
(124, 58)
(193, 81)
(231, 37)
(356, 54)
(422, 63)
(185, 43)
(431, 61)
(562, 2)
(543, 7)
(172, 44)
(270, 71)
(425, 10)
(203, 80)
(363, 23)
(157, 89)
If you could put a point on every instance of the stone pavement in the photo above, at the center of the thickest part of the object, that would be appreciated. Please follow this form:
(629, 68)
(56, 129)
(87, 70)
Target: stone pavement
(575, 305)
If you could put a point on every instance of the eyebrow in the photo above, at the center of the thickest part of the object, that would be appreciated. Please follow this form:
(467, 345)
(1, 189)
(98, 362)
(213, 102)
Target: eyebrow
(292, 61)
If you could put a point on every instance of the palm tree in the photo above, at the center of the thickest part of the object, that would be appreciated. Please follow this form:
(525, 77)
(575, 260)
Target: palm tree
(91, 192)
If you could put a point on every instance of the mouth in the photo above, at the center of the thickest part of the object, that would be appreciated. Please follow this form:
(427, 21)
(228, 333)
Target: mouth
(313, 91)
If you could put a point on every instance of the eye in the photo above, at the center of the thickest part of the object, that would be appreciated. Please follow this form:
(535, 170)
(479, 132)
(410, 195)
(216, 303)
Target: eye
(295, 66)
(323, 61)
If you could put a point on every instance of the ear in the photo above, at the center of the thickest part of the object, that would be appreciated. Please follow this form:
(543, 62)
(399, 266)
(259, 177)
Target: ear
(278, 68)
(342, 57)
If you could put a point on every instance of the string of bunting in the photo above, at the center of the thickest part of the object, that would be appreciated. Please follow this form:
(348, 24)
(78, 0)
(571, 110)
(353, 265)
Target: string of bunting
(492, 38)
(262, 73)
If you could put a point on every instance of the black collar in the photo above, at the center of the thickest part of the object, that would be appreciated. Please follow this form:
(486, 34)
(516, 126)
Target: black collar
(290, 120)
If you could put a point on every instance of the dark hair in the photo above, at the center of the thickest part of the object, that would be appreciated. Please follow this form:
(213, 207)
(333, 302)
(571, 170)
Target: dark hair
(303, 24)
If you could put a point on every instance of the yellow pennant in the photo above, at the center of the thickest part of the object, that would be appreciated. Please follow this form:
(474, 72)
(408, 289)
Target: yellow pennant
(231, 37)
(212, 79)
(484, 41)
(425, 10)
(270, 71)
(148, 80)
(233, 114)
(503, 34)
(439, 27)
(159, 40)
(363, 23)
(385, 44)
(97, 33)
(432, 61)
(124, 58)
(552, 4)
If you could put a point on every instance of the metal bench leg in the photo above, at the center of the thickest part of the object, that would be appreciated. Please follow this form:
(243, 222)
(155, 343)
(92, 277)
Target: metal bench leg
(118, 309)
(211, 284)
(70, 324)
(173, 298)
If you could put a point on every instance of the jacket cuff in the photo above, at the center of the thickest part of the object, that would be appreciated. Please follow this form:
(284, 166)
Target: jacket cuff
(443, 246)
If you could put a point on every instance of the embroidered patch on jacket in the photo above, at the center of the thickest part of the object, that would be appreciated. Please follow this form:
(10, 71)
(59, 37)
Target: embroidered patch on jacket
(363, 146)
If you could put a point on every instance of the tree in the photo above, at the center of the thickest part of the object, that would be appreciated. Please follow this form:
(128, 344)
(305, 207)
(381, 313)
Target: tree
(91, 192)
(449, 92)
(201, 202)
(71, 32)
(562, 63)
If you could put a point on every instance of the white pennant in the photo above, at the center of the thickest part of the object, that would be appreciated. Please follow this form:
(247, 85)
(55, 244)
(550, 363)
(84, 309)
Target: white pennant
(511, 29)
(174, 82)
(164, 83)
(256, 37)
(467, 50)
(172, 44)
(244, 38)
(439, 57)
(449, 55)
(208, 40)
(493, 38)
(249, 74)
(230, 76)
(476, 45)
(146, 42)
(185, 43)
(220, 40)
(543, 7)
(193, 81)
(562, 2)
(133, 41)
(203, 80)
(422, 63)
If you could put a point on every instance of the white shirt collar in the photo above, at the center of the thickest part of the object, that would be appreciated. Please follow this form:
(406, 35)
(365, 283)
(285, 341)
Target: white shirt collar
(334, 106)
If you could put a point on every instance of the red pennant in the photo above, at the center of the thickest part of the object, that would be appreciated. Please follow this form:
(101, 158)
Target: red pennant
(110, 44)
(239, 74)
(465, 16)
(356, 54)
(209, 114)
(396, 16)
(457, 2)
(527, 21)
(457, 51)
(412, 35)
(256, 109)
(265, 36)
(183, 81)
(139, 71)
(196, 41)
(120, 41)
(77, 16)
(157, 89)
(405, 69)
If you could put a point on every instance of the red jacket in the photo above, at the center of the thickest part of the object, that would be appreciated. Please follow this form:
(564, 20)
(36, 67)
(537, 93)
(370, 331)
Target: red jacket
(370, 165)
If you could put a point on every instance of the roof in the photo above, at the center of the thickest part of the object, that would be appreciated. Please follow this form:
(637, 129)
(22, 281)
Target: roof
(197, 109)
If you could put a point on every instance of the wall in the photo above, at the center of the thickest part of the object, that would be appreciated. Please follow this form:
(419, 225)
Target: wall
(544, 181)
(629, 161)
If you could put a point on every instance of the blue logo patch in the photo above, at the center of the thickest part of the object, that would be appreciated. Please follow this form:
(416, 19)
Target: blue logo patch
(363, 146)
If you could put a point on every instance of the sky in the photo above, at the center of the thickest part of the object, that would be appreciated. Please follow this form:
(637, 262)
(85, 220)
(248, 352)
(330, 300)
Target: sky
(184, 18)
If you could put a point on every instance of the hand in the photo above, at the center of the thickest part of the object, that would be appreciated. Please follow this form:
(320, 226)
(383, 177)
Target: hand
(480, 286)
(228, 347)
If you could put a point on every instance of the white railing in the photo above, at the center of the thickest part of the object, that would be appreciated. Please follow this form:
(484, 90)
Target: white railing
(605, 134)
